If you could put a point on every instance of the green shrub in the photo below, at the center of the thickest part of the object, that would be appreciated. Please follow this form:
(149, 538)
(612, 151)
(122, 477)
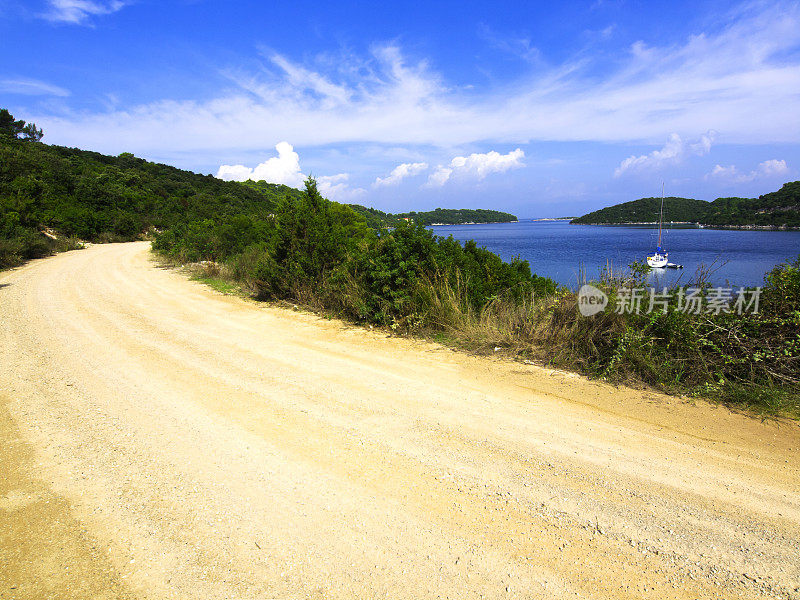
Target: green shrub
(781, 292)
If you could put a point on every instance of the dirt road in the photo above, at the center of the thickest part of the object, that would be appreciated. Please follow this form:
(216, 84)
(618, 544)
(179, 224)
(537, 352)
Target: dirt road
(160, 440)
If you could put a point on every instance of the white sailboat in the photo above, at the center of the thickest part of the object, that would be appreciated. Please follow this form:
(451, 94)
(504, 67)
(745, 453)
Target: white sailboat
(658, 260)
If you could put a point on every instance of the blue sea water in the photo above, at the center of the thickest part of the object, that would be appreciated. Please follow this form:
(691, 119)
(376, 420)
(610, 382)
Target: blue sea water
(559, 250)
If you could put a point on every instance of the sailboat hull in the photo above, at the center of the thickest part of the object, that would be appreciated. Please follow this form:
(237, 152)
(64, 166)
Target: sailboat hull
(657, 261)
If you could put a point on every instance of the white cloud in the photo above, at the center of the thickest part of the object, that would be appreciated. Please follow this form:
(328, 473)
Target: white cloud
(772, 168)
(477, 166)
(400, 172)
(726, 78)
(31, 87)
(284, 168)
(730, 174)
(78, 11)
(673, 152)
(440, 176)
(703, 145)
(335, 187)
(767, 169)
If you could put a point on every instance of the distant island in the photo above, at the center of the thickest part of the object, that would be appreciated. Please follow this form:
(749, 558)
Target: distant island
(776, 210)
(439, 216)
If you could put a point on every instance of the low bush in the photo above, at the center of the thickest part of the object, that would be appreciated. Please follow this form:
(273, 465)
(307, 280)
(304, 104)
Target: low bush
(324, 254)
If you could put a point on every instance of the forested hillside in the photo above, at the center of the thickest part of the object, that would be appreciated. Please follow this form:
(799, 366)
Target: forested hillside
(94, 197)
(439, 216)
(646, 210)
(456, 216)
(776, 209)
(780, 208)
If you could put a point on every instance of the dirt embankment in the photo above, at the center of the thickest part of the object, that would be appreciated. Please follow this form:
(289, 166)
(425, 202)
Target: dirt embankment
(160, 440)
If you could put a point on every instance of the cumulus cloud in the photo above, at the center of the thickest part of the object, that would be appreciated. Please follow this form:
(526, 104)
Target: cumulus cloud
(730, 173)
(765, 170)
(771, 168)
(477, 166)
(336, 187)
(31, 87)
(78, 11)
(400, 172)
(440, 176)
(673, 152)
(284, 168)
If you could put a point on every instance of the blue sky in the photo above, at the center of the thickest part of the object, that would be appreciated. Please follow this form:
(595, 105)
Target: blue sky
(542, 109)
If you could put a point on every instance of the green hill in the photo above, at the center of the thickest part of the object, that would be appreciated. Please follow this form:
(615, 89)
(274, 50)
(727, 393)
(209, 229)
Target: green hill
(439, 216)
(95, 197)
(776, 209)
(646, 210)
(457, 216)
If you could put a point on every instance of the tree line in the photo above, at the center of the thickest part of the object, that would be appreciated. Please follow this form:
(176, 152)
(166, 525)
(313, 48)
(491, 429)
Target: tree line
(18, 129)
(439, 216)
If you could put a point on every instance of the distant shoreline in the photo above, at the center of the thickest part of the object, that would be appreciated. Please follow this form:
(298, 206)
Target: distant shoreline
(692, 223)
(471, 223)
(699, 226)
(681, 224)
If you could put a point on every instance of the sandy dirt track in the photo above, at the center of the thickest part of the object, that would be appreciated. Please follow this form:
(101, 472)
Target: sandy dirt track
(160, 440)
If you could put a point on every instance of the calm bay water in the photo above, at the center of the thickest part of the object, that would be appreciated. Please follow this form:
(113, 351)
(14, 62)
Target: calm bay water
(557, 249)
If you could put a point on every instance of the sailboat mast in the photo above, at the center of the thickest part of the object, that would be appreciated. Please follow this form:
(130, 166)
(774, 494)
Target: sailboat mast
(661, 215)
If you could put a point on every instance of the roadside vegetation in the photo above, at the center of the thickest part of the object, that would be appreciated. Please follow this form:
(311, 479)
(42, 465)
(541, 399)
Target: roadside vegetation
(324, 256)
(278, 243)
